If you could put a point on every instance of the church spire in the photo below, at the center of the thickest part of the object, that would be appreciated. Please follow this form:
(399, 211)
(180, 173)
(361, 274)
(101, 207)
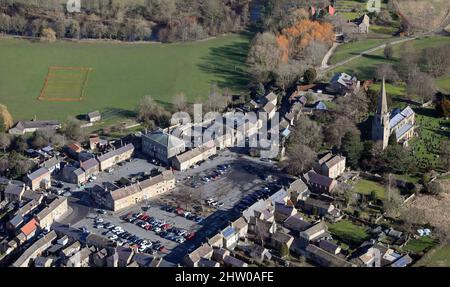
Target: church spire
(382, 108)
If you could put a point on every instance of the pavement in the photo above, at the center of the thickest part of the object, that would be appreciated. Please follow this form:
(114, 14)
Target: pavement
(229, 189)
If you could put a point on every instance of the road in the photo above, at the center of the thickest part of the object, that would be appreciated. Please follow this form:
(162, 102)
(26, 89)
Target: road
(325, 68)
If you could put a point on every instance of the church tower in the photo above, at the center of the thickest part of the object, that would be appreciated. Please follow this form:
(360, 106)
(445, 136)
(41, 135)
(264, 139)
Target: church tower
(380, 127)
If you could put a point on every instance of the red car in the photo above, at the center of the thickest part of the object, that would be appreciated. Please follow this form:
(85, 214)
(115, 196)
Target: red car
(180, 211)
(166, 226)
(190, 235)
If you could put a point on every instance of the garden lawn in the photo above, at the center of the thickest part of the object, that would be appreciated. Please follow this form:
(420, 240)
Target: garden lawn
(364, 186)
(419, 245)
(122, 73)
(348, 232)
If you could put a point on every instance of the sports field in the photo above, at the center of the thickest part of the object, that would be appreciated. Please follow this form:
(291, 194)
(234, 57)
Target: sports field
(120, 74)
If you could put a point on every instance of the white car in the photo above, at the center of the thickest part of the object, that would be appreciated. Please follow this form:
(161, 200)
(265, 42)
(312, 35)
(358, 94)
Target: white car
(219, 205)
(113, 237)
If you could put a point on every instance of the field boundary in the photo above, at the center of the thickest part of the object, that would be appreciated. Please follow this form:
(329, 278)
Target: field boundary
(52, 74)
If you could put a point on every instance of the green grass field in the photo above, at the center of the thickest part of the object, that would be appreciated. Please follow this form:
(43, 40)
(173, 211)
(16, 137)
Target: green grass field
(348, 232)
(365, 66)
(122, 73)
(348, 50)
(438, 257)
(419, 245)
(427, 147)
(444, 84)
(366, 187)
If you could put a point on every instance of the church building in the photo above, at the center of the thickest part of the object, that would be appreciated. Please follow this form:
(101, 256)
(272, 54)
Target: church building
(385, 123)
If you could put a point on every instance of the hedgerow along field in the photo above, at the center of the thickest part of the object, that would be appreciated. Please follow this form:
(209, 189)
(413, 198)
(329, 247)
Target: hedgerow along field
(122, 73)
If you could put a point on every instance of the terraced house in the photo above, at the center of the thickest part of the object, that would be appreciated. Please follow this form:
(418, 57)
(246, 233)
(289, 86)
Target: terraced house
(116, 156)
(120, 198)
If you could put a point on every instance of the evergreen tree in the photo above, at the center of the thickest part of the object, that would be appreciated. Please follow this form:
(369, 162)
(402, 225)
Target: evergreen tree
(260, 90)
(352, 148)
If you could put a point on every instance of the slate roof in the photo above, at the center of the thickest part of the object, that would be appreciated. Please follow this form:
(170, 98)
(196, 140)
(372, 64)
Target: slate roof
(295, 223)
(38, 173)
(328, 246)
(116, 152)
(297, 185)
(398, 116)
(14, 189)
(319, 179)
(164, 139)
(22, 125)
(88, 164)
(94, 114)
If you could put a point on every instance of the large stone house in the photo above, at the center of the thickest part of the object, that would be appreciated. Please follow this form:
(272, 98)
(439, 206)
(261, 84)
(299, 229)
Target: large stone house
(162, 146)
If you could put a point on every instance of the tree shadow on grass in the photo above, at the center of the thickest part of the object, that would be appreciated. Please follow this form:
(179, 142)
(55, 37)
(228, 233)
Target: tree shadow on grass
(229, 64)
(426, 112)
(117, 112)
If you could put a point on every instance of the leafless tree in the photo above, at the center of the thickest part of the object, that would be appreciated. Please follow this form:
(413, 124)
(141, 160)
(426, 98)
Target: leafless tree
(444, 155)
(388, 72)
(180, 102)
(421, 85)
(436, 60)
(335, 131)
(264, 56)
(315, 52)
(5, 141)
(392, 200)
(307, 132)
(300, 158)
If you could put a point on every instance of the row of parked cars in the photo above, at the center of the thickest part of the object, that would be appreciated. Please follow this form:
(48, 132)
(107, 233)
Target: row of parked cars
(181, 212)
(212, 176)
(262, 193)
(122, 237)
(161, 228)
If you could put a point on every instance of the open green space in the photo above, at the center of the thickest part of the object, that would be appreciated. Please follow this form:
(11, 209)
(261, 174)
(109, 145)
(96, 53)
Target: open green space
(419, 245)
(438, 257)
(364, 186)
(433, 130)
(365, 66)
(348, 232)
(122, 73)
(351, 49)
(444, 84)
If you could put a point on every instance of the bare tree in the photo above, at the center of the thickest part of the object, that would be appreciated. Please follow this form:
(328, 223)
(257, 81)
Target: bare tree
(5, 141)
(444, 155)
(421, 85)
(392, 200)
(436, 60)
(180, 102)
(307, 132)
(264, 56)
(300, 158)
(388, 72)
(335, 131)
